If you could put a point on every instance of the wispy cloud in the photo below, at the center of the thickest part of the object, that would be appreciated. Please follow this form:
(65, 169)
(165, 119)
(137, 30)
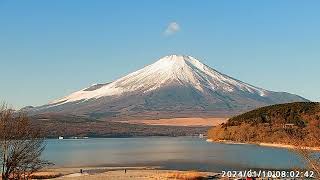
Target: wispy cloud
(172, 28)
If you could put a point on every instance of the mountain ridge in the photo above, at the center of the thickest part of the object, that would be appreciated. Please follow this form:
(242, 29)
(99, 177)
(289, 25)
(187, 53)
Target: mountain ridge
(175, 86)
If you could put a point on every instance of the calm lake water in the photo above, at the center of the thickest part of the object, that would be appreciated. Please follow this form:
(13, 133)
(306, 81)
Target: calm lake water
(185, 153)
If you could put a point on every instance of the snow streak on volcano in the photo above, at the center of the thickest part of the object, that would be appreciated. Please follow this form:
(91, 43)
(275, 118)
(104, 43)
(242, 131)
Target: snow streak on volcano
(177, 85)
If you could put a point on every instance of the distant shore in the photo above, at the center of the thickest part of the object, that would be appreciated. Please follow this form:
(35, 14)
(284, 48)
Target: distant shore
(117, 173)
(276, 145)
(187, 122)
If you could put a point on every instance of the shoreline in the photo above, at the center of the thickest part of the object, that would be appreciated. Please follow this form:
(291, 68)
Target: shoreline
(275, 145)
(118, 137)
(117, 173)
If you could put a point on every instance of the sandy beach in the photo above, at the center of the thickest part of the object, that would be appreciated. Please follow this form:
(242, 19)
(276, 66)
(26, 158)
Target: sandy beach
(276, 145)
(120, 173)
(288, 146)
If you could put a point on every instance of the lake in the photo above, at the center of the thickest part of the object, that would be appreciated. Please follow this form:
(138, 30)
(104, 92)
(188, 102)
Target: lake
(183, 153)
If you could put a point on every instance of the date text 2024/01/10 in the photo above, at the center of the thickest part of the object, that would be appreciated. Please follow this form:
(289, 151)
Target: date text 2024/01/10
(268, 174)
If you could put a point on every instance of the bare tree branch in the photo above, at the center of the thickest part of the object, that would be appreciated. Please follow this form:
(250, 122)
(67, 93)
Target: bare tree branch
(21, 145)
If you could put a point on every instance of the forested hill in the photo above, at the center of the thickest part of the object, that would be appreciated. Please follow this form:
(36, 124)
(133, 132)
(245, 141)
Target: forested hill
(298, 113)
(283, 123)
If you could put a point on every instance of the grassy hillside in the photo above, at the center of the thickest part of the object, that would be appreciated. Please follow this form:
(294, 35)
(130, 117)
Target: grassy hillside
(290, 123)
(54, 125)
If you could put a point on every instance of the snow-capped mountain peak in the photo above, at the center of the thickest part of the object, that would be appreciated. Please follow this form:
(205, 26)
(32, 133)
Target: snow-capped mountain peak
(174, 69)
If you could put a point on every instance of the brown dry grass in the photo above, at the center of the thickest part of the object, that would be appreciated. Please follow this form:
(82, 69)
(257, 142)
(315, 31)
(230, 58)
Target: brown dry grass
(45, 175)
(182, 121)
(117, 173)
(193, 175)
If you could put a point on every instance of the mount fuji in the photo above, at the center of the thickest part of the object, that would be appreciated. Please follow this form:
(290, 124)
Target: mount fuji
(174, 86)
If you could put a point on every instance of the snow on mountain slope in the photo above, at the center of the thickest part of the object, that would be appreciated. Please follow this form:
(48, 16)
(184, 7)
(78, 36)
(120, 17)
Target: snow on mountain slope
(184, 70)
(174, 86)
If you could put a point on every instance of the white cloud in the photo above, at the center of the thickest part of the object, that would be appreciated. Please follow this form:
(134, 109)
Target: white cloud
(172, 28)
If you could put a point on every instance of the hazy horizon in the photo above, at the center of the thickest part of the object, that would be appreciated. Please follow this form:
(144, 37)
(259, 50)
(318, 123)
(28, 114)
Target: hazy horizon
(49, 49)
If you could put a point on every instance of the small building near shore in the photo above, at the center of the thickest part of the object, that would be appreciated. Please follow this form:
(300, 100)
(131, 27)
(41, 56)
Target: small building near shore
(289, 125)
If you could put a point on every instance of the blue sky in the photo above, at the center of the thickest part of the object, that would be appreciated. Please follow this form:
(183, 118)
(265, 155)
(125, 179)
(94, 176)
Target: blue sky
(49, 49)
